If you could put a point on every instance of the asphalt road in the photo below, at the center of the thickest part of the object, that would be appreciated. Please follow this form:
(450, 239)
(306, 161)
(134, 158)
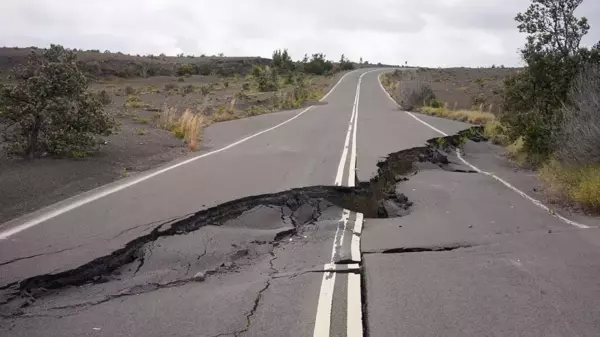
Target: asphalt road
(473, 257)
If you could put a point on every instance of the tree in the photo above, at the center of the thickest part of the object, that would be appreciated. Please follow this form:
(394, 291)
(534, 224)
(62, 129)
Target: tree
(345, 64)
(318, 65)
(282, 61)
(534, 97)
(553, 27)
(49, 109)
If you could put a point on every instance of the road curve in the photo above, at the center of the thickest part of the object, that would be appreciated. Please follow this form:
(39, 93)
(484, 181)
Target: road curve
(471, 258)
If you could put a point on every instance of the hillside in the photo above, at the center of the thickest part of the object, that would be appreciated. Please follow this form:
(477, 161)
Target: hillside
(106, 64)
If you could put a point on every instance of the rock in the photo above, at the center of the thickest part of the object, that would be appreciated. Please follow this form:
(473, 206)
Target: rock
(199, 277)
(549, 231)
(391, 209)
(400, 178)
(470, 226)
(228, 264)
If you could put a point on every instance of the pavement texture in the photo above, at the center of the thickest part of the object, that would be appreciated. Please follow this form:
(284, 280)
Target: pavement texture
(473, 258)
(242, 242)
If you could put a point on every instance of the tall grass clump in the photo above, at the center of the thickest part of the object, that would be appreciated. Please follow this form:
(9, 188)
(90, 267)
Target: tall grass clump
(188, 126)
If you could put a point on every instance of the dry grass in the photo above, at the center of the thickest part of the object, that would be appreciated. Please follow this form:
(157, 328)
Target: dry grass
(516, 152)
(471, 116)
(580, 184)
(496, 132)
(225, 113)
(133, 101)
(188, 126)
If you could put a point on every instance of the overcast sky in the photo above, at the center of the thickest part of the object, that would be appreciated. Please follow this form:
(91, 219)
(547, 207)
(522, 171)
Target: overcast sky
(423, 32)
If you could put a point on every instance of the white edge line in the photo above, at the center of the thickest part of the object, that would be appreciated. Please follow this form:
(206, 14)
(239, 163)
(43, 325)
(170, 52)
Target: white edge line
(56, 212)
(505, 183)
(355, 248)
(345, 216)
(340, 171)
(358, 223)
(354, 326)
(331, 267)
(352, 165)
(323, 317)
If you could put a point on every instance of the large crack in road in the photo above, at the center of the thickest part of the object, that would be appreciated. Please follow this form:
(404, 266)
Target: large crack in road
(186, 250)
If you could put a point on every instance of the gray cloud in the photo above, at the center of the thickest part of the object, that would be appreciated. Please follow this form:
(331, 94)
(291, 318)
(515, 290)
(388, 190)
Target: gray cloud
(432, 33)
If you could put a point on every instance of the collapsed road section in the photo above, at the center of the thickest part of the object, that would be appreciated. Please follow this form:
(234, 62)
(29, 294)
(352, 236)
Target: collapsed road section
(225, 239)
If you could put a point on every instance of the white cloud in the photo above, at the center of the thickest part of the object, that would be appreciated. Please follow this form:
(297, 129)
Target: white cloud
(427, 32)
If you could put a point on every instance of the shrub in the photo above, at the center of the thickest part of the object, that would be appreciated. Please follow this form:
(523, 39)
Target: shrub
(580, 184)
(185, 70)
(205, 90)
(318, 65)
(496, 132)
(413, 94)
(188, 126)
(49, 108)
(141, 120)
(171, 86)
(478, 100)
(133, 101)
(533, 99)
(266, 78)
(188, 89)
(579, 138)
(129, 90)
(434, 103)
(282, 61)
(345, 64)
(104, 97)
(471, 116)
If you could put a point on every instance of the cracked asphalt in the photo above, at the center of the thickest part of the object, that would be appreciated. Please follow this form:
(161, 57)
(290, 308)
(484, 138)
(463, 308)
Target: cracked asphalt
(241, 242)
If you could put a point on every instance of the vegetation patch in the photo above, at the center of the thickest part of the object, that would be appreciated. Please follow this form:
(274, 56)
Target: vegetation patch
(578, 184)
(49, 109)
(470, 116)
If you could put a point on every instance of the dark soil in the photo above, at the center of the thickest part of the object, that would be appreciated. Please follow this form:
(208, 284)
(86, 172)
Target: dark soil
(102, 64)
(137, 145)
(464, 88)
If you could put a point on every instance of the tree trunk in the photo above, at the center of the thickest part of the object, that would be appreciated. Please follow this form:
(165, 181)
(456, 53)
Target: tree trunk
(32, 147)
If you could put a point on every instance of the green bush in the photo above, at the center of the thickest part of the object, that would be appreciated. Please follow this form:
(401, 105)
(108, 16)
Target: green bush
(104, 97)
(185, 70)
(533, 99)
(345, 64)
(282, 61)
(50, 109)
(266, 78)
(318, 65)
